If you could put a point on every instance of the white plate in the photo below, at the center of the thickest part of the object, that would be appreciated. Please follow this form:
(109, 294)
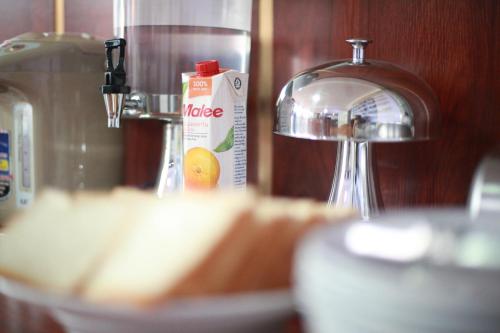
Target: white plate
(239, 313)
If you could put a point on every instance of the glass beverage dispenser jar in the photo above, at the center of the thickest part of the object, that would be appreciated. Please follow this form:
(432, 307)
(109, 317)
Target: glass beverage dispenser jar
(164, 39)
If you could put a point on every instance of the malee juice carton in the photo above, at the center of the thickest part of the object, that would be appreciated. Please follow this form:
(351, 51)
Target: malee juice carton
(215, 127)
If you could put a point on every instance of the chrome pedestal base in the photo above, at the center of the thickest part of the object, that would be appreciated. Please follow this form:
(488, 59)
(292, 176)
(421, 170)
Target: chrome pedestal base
(354, 182)
(484, 197)
(165, 108)
(170, 174)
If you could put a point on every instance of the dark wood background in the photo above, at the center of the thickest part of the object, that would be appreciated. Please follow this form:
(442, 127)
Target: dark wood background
(20, 16)
(452, 44)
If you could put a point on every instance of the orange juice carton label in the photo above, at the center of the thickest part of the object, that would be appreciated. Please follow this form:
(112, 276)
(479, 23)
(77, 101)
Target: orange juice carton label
(215, 130)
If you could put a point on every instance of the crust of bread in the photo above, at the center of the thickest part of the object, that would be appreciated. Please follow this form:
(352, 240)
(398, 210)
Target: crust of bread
(256, 254)
(213, 274)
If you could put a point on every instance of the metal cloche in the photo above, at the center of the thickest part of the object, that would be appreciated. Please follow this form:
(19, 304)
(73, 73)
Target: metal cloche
(357, 100)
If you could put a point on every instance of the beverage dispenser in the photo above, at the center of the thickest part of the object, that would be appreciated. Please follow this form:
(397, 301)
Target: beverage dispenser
(52, 131)
(158, 41)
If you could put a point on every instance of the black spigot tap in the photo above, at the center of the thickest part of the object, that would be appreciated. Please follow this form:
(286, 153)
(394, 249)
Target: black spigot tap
(114, 89)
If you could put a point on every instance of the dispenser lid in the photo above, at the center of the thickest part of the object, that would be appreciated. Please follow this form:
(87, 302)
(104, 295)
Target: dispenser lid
(52, 52)
(357, 100)
(85, 42)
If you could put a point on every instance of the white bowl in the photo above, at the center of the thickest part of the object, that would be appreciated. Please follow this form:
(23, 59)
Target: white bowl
(412, 271)
(239, 313)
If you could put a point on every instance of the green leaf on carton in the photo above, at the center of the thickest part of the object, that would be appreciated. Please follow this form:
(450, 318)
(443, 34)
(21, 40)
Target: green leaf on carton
(227, 143)
(184, 87)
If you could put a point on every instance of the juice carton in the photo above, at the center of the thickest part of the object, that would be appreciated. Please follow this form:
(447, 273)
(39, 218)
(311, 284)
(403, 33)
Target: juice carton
(215, 127)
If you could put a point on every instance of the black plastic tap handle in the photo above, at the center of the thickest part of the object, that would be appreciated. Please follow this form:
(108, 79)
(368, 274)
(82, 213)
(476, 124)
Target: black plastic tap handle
(115, 77)
(114, 44)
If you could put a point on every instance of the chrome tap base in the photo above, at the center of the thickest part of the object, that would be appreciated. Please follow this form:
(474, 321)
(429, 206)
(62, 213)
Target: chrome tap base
(114, 105)
(164, 107)
(354, 182)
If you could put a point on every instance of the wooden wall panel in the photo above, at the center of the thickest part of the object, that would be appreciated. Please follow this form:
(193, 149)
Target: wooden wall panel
(450, 44)
(252, 106)
(302, 39)
(20, 16)
(91, 16)
(143, 139)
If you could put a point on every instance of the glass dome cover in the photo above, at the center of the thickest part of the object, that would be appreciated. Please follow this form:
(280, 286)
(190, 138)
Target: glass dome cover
(357, 100)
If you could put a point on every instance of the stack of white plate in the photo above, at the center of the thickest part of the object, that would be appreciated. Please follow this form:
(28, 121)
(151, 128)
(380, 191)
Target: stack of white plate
(430, 271)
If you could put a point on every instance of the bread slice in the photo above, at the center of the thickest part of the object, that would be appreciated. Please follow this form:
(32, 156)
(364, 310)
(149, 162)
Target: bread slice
(131, 247)
(288, 220)
(175, 235)
(60, 239)
(257, 254)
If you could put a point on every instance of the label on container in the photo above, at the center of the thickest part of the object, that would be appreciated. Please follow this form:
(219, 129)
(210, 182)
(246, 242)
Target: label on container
(215, 130)
(5, 175)
(23, 154)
